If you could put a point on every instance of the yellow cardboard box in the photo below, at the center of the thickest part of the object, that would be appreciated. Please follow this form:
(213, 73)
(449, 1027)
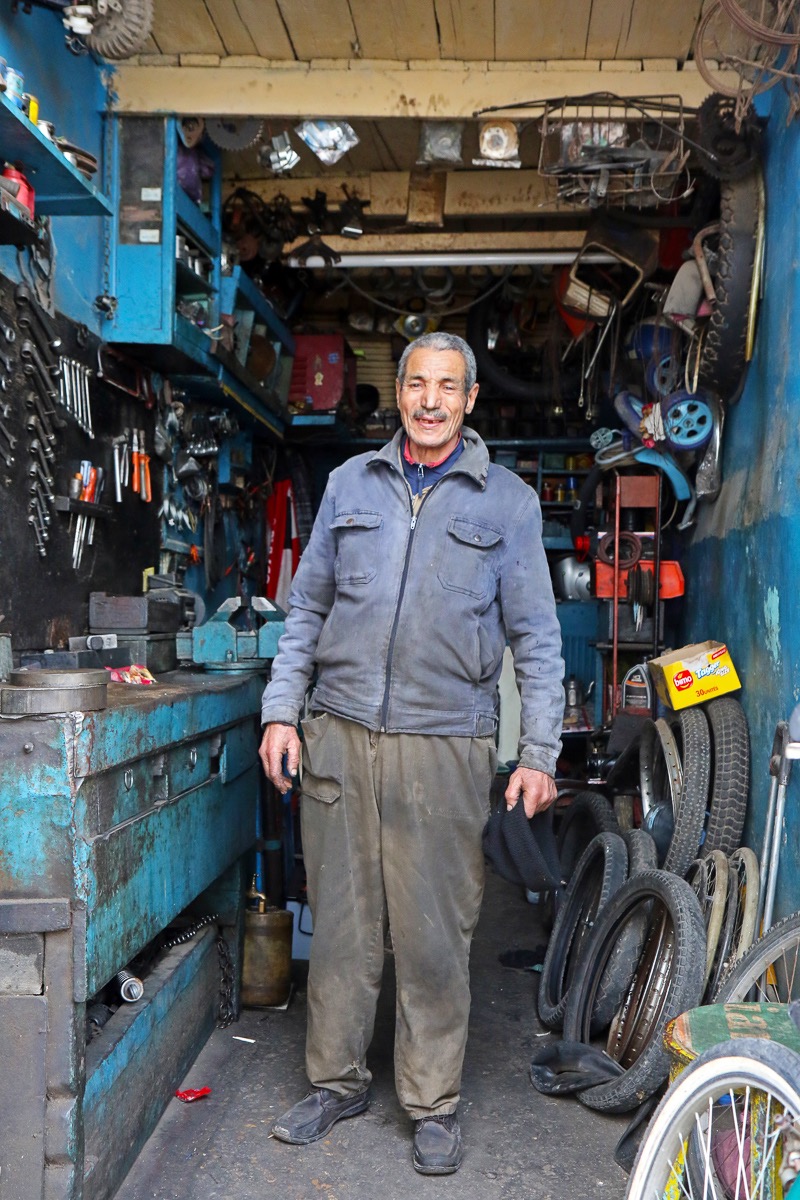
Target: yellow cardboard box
(694, 674)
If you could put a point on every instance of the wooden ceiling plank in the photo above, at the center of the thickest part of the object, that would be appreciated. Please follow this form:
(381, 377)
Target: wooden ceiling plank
(404, 26)
(266, 28)
(418, 242)
(186, 28)
(642, 29)
(548, 29)
(232, 30)
(319, 28)
(466, 28)
(295, 91)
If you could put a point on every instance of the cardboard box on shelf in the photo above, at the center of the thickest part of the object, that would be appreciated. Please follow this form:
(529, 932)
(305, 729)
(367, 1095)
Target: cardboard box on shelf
(694, 674)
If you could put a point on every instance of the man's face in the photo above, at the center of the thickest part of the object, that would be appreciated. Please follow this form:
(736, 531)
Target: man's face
(433, 402)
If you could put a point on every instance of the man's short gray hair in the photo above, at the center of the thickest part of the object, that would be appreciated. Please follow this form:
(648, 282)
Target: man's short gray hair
(441, 341)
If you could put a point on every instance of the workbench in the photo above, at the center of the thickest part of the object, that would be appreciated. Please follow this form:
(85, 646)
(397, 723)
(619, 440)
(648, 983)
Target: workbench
(111, 824)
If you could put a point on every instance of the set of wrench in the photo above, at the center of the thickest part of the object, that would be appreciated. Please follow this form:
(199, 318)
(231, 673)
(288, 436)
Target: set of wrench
(7, 368)
(74, 392)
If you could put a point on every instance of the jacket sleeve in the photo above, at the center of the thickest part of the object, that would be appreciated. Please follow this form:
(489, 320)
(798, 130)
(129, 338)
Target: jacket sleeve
(310, 600)
(534, 635)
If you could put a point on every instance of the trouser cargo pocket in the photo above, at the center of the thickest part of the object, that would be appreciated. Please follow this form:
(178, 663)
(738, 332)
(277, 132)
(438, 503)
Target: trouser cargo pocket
(322, 759)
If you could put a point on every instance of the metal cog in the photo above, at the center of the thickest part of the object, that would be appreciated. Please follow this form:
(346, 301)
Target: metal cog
(122, 30)
(730, 154)
(233, 133)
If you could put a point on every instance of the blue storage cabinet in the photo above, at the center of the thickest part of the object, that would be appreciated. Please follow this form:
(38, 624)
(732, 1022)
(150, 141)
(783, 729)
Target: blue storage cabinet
(111, 824)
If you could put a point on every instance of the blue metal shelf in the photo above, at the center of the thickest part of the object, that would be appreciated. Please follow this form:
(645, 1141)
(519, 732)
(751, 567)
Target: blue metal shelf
(196, 222)
(61, 190)
(239, 285)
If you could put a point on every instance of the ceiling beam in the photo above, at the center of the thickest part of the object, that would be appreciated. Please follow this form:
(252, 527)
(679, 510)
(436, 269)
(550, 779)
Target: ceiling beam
(487, 192)
(448, 243)
(358, 88)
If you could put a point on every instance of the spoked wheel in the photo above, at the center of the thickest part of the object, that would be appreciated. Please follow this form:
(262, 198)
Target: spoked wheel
(708, 879)
(721, 46)
(717, 1134)
(667, 980)
(769, 970)
(739, 923)
(674, 762)
(601, 871)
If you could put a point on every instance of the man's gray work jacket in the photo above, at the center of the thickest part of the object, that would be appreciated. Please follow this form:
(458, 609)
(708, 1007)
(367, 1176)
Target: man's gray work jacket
(406, 619)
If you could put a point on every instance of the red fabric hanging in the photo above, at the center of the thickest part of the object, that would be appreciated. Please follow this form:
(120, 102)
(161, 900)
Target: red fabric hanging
(283, 542)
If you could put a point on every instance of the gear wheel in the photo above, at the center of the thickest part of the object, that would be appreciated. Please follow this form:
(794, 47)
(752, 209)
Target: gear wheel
(730, 154)
(233, 133)
(122, 30)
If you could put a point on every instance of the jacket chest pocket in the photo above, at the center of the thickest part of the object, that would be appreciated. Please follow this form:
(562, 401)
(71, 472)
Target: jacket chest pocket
(468, 560)
(358, 542)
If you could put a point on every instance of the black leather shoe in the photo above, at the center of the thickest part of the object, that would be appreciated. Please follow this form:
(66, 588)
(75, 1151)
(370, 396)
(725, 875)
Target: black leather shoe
(312, 1117)
(437, 1145)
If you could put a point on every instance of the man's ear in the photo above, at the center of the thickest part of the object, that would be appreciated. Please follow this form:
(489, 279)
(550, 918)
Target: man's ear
(471, 398)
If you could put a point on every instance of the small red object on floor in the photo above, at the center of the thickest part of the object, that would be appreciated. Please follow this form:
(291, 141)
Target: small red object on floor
(190, 1094)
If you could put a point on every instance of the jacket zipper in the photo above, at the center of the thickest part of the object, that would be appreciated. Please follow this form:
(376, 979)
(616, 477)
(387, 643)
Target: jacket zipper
(396, 622)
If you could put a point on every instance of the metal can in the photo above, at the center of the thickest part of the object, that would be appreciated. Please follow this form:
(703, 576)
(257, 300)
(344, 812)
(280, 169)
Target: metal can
(30, 107)
(14, 87)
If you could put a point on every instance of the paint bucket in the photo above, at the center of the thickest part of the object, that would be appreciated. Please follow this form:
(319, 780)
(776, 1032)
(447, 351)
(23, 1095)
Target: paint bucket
(267, 964)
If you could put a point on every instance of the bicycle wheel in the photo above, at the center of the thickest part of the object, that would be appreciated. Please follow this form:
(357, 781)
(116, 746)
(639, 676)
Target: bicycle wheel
(708, 879)
(730, 749)
(769, 970)
(642, 852)
(777, 32)
(741, 910)
(716, 1135)
(690, 728)
(601, 871)
(588, 814)
(668, 980)
(721, 42)
(727, 345)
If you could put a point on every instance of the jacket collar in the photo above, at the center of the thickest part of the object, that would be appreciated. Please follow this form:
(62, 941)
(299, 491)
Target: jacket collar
(473, 462)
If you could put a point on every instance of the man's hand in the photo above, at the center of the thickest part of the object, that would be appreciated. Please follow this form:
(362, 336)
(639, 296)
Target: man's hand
(538, 790)
(277, 741)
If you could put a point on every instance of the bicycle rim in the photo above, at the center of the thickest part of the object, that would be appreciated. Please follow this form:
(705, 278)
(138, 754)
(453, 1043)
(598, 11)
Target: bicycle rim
(716, 1134)
(719, 41)
(708, 878)
(769, 971)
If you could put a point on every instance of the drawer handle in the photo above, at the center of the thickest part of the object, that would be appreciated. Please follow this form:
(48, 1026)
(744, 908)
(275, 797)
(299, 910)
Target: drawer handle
(192, 758)
(127, 779)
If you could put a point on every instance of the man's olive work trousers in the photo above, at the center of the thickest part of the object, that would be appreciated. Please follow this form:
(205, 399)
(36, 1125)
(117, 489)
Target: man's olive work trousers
(391, 827)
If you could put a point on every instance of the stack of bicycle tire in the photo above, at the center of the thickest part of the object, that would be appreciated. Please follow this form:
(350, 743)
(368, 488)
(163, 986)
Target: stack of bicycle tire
(653, 920)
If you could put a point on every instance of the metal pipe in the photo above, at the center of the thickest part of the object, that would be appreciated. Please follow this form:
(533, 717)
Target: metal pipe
(482, 258)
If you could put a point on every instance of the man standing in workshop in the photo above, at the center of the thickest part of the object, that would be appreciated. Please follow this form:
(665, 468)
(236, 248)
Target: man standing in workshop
(425, 558)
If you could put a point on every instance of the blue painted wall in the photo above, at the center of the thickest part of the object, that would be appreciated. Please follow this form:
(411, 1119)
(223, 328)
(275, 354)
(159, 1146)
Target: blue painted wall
(743, 568)
(72, 95)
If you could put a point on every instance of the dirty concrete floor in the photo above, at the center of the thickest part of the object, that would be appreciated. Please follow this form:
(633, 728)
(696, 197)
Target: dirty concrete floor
(519, 1145)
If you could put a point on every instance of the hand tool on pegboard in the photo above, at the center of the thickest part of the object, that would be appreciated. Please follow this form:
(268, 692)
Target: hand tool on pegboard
(31, 316)
(144, 469)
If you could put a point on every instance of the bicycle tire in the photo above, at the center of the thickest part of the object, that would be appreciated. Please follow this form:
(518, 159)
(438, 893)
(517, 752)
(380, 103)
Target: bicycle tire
(741, 913)
(730, 751)
(708, 879)
(642, 853)
(723, 357)
(695, 754)
(600, 872)
(489, 370)
(669, 902)
(721, 1073)
(588, 814)
(769, 970)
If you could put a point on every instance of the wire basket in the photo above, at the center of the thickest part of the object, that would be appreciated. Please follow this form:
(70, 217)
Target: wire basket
(615, 151)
